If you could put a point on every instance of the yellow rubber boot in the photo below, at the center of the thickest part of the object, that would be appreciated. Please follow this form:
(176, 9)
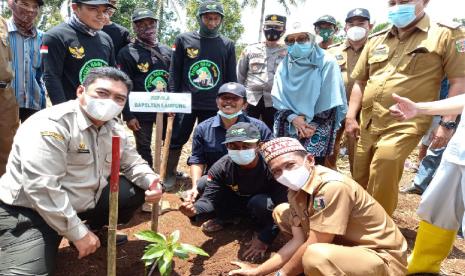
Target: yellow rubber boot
(432, 246)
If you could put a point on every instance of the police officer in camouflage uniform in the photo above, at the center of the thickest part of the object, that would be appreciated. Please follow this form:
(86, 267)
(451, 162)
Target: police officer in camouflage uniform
(257, 66)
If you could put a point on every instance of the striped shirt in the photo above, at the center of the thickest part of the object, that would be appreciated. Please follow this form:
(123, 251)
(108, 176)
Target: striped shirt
(27, 83)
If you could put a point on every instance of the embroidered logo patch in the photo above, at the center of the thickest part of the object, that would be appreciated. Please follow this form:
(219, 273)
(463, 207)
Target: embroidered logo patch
(55, 135)
(143, 67)
(77, 52)
(319, 203)
(192, 52)
(156, 81)
(82, 148)
(204, 74)
(89, 65)
(460, 45)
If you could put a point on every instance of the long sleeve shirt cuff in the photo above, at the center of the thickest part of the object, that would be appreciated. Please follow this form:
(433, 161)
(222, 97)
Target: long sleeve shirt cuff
(76, 233)
(291, 117)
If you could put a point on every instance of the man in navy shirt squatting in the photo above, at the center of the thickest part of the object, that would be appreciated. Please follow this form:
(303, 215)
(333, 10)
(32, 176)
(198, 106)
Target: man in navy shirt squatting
(207, 142)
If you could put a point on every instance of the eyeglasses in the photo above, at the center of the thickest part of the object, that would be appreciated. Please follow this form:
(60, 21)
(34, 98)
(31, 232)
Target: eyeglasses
(299, 40)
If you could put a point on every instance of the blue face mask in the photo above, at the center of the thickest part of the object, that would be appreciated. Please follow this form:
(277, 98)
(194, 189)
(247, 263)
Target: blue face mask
(242, 157)
(229, 116)
(402, 15)
(298, 50)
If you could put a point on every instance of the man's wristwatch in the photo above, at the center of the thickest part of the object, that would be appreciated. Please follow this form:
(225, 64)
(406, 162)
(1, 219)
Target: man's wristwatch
(448, 124)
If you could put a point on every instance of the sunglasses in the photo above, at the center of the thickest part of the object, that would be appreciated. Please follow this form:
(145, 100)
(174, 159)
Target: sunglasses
(300, 40)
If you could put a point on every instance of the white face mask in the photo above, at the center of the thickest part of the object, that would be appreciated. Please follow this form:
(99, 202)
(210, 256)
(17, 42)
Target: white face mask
(295, 179)
(101, 109)
(242, 157)
(356, 33)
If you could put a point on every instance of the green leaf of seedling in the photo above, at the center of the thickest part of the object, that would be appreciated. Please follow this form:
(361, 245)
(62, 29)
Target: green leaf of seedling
(193, 249)
(149, 262)
(164, 267)
(153, 253)
(174, 237)
(181, 254)
(151, 236)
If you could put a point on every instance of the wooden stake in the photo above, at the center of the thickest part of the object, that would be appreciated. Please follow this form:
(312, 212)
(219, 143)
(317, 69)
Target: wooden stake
(113, 216)
(164, 162)
(158, 133)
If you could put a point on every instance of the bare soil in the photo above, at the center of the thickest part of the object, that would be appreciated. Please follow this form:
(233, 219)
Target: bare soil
(224, 246)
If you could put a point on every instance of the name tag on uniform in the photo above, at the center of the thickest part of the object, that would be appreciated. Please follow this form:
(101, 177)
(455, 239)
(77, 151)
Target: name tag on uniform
(83, 148)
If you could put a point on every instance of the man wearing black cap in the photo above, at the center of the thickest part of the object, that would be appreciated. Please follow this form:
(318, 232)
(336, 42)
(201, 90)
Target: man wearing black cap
(71, 49)
(326, 28)
(347, 53)
(256, 68)
(119, 34)
(202, 61)
(147, 64)
(207, 142)
(240, 184)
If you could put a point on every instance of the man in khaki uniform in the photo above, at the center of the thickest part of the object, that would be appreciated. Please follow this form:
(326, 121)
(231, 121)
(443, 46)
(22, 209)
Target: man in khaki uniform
(9, 119)
(347, 53)
(409, 59)
(337, 228)
(257, 66)
(57, 177)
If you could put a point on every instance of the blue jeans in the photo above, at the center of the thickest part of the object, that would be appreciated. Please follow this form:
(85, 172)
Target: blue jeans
(427, 168)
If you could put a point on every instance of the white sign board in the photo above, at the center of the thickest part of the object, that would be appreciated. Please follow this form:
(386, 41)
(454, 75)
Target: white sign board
(160, 102)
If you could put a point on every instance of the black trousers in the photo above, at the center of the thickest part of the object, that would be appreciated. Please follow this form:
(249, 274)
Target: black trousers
(143, 139)
(184, 124)
(260, 111)
(29, 246)
(25, 113)
(259, 207)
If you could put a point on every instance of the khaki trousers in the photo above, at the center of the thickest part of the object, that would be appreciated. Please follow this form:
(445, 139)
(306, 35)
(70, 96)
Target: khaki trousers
(9, 122)
(379, 164)
(330, 259)
(351, 143)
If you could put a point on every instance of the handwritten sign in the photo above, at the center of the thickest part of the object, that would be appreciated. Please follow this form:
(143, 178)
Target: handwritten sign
(160, 102)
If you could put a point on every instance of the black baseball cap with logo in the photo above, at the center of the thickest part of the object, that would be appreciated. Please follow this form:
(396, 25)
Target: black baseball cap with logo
(325, 19)
(232, 88)
(275, 19)
(210, 6)
(359, 12)
(141, 13)
(242, 132)
(95, 2)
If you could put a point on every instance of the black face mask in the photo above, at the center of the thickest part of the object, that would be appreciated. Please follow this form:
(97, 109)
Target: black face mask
(273, 34)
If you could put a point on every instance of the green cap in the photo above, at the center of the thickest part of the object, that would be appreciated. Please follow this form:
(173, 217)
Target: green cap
(142, 13)
(210, 6)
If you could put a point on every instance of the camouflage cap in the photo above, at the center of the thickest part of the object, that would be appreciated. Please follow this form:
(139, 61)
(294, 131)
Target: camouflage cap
(325, 19)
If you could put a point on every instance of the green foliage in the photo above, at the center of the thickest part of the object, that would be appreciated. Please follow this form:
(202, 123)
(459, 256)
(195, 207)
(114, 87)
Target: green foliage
(460, 20)
(161, 250)
(379, 27)
(231, 26)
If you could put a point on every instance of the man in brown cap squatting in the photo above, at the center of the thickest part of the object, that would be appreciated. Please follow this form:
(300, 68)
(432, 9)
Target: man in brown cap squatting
(334, 222)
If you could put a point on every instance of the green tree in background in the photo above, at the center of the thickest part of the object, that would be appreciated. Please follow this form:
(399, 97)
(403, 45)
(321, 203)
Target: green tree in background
(253, 3)
(460, 20)
(232, 27)
(379, 27)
